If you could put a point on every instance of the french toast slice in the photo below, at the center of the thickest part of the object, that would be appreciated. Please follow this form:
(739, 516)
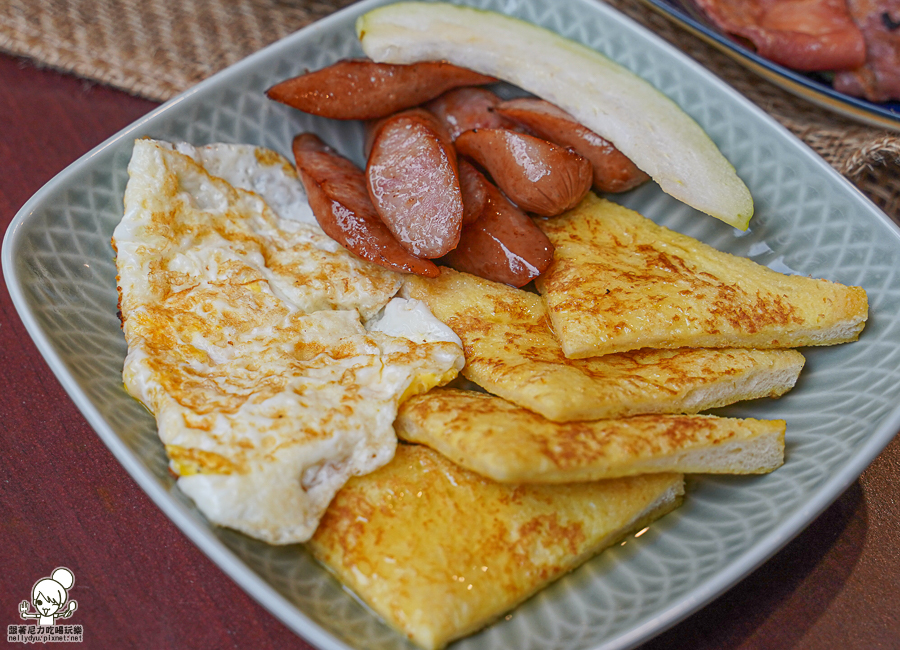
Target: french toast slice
(511, 351)
(510, 444)
(440, 552)
(620, 282)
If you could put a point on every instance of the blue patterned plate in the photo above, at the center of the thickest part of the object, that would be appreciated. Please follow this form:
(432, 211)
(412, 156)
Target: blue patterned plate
(814, 88)
(59, 267)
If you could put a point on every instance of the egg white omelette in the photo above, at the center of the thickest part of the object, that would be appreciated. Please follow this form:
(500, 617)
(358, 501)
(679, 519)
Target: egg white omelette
(272, 358)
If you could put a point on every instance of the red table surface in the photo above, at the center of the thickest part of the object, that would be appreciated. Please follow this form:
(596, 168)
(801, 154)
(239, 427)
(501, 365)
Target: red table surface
(140, 583)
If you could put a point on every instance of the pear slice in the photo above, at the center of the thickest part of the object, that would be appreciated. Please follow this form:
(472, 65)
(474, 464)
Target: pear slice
(647, 126)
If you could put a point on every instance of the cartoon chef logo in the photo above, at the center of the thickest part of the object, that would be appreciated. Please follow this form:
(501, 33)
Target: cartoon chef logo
(50, 597)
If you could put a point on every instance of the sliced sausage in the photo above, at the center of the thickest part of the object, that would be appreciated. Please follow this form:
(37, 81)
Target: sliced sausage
(413, 182)
(536, 175)
(613, 170)
(371, 128)
(359, 89)
(340, 202)
(504, 245)
(474, 191)
(463, 109)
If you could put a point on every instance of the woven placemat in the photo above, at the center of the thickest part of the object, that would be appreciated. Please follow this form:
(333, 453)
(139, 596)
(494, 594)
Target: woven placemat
(158, 48)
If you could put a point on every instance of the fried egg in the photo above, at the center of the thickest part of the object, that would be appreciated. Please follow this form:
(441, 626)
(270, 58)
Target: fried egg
(273, 359)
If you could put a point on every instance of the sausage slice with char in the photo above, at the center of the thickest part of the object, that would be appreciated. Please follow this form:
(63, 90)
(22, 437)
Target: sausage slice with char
(503, 245)
(359, 89)
(464, 109)
(613, 170)
(337, 194)
(413, 181)
(538, 176)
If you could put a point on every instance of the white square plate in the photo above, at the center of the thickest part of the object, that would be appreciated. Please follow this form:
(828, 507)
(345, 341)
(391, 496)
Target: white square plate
(59, 266)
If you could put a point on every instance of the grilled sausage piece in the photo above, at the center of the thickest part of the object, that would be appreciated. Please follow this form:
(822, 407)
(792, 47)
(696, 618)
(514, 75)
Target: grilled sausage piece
(412, 179)
(504, 245)
(371, 129)
(474, 191)
(463, 109)
(337, 195)
(359, 89)
(536, 175)
(613, 170)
